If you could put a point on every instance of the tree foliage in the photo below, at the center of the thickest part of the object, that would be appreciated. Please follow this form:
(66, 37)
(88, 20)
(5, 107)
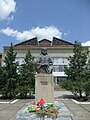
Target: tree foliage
(87, 79)
(26, 82)
(1, 78)
(9, 74)
(75, 71)
(16, 79)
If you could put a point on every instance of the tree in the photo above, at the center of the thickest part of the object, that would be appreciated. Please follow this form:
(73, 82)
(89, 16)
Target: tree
(26, 82)
(75, 71)
(10, 74)
(1, 78)
(87, 79)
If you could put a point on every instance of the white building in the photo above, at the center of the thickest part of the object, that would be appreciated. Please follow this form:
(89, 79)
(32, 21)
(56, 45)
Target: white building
(58, 49)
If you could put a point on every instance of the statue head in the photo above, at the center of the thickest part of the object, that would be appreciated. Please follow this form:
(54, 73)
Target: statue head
(44, 51)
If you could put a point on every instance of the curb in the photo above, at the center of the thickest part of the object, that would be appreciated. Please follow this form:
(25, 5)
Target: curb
(75, 101)
(14, 101)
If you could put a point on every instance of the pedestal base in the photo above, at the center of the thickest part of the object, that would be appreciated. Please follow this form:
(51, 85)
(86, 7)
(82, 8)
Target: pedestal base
(64, 113)
(44, 87)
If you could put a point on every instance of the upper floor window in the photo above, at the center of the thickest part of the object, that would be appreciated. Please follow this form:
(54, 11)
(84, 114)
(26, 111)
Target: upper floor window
(60, 61)
(58, 68)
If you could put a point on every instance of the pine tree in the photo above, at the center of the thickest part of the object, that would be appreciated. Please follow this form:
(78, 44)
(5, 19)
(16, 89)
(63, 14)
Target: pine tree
(75, 71)
(87, 79)
(26, 82)
(10, 75)
(1, 78)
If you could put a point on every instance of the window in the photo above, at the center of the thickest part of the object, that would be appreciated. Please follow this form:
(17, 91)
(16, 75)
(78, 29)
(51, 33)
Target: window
(58, 68)
(20, 60)
(61, 68)
(60, 61)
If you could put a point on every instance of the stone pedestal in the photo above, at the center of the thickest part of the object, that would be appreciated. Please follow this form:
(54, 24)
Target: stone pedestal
(44, 87)
(64, 113)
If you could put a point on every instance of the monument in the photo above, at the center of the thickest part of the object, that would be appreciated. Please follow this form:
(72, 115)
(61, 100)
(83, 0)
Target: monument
(44, 83)
(44, 90)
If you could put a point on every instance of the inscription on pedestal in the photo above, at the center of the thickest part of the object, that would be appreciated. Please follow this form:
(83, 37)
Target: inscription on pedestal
(44, 82)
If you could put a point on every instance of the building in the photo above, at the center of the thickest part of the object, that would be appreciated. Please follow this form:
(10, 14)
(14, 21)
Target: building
(59, 50)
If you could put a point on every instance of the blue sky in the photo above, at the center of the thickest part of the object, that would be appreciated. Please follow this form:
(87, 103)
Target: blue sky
(21, 20)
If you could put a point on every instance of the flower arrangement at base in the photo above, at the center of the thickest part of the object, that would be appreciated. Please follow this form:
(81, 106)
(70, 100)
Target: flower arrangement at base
(43, 109)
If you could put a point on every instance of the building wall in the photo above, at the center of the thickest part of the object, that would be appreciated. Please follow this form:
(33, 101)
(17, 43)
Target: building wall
(59, 56)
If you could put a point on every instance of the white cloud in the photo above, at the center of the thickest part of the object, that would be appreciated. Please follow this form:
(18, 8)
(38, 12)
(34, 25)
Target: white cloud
(6, 8)
(66, 33)
(86, 43)
(47, 32)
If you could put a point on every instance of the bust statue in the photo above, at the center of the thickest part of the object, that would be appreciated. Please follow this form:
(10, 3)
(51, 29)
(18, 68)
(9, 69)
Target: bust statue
(44, 62)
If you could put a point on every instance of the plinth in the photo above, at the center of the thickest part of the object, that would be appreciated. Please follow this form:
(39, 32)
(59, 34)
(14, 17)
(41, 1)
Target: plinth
(44, 87)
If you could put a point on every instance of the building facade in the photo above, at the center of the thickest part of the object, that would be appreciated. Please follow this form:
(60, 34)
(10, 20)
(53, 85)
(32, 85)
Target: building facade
(59, 50)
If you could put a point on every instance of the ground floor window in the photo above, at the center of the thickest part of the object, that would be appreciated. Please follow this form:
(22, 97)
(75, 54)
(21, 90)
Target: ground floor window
(58, 80)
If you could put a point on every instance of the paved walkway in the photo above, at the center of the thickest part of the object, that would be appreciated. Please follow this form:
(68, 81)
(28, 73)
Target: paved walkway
(78, 111)
(8, 111)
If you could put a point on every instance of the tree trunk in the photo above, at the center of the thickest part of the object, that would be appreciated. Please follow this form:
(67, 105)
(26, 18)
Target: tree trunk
(80, 93)
(25, 94)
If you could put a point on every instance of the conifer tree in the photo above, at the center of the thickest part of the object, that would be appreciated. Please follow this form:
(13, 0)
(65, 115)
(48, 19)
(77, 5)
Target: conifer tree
(10, 74)
(1, 78)
(26, 82)
(75, 71)
(87, 79)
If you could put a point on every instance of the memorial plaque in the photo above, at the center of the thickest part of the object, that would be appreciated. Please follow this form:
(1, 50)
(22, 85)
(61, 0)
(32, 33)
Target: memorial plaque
(44, 82)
